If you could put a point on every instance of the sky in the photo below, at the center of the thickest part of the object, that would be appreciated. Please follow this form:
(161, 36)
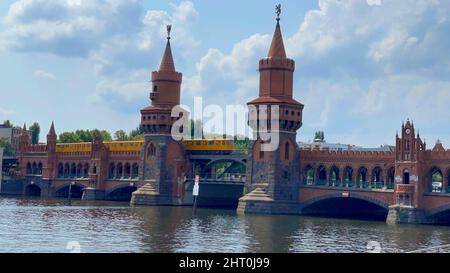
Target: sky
(362, 66)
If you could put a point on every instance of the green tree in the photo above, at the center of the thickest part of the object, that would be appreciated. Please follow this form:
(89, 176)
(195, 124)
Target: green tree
(6, 145)
(68, 137)
(136, 134)
(35, 131)
(121, 135)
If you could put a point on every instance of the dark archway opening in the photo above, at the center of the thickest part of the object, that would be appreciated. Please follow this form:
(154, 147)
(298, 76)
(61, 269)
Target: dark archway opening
(406, 177)
(442, 218)
(121, 194)
(76, 192)
(347, 208)
(33, 190)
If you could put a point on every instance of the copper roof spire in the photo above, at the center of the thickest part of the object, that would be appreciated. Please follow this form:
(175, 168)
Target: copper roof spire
(167, 63)
(277, 47)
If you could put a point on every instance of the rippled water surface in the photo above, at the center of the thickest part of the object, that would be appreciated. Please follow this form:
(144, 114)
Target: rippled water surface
(45, 225)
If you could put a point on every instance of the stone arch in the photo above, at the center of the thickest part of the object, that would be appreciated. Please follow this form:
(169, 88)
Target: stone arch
(29, 168)
(436, 179)
(321, 175)
(66, 170)
(374, 201)
(377, 177)
(151, 150)
(135, 170)
(348, 176)
(353, 206)
(34, 168)
(127, 170)
(63, 190)
(86, 170)
(79, 170)
(73, 170)
(390, 178)
(334, 176)
(309, 175)
(287, 152)
(119, 170)
(39, 168)
(112, 170)
(120, 193)
(362, 177)
(60, 170)
(32, 190)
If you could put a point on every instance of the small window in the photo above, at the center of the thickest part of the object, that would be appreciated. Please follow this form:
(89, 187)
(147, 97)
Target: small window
(155, 88)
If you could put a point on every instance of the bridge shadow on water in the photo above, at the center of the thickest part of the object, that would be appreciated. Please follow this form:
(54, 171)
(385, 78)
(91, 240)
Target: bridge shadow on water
(347, 208)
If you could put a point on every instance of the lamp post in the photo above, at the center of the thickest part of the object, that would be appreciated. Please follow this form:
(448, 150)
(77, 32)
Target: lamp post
(69, 196)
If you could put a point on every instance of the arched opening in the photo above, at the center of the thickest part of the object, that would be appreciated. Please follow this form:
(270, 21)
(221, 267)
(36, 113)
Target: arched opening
(112, 170)
(76, 191)
(33, 190)
(79, 170)
(60, 170)
(390, 178)
(151, 151)
(309, 175)
(362, 178)
(442, 216)
(286, 151)
(224, 169)
(39, 168)
(66, 170)
(34, 168)
(377, 178)
(436, 180)
(29, 168)
(135, 173)
(322, 176)
(348, 177)
(406, 177)
(348, 208)
(73, 170)
(447, 182)
(334, 176)
(121, 193)
(119, 170)
(127, 172)
(86, 170)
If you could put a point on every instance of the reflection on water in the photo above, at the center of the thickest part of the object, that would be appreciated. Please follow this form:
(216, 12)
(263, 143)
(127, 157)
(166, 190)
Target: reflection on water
(46, 225)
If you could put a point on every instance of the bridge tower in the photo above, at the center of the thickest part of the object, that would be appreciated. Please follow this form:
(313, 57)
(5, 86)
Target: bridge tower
(409, 149)
(49, 168)
(24, 143)
(163, 162)
(273, 162)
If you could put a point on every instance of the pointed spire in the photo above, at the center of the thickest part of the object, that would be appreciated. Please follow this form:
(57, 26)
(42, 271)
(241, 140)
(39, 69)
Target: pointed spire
(24, 129)
(277, 47)
(167, 63)
(52, 130)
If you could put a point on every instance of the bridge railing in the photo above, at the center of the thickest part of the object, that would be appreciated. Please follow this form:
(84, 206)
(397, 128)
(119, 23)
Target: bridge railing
(237, 177)
(377, 185)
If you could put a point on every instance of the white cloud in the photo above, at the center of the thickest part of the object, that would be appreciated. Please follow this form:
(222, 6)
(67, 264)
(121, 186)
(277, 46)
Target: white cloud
(233, 73)
(42, 74)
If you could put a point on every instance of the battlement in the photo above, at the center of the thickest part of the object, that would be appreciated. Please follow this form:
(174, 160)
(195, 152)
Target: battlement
(308, 153)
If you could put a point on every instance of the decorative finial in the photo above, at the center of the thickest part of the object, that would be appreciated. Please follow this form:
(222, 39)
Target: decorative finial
(169, 29)
(278, 11)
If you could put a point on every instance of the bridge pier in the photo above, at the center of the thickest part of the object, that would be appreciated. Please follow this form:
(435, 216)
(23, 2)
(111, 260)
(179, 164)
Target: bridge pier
(401, 214)
(259, 202)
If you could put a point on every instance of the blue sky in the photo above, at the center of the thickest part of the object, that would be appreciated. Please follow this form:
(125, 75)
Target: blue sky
(363, 66)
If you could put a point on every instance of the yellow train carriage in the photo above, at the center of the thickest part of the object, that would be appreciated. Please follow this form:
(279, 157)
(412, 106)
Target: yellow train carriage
(209, 145)
(73, 147)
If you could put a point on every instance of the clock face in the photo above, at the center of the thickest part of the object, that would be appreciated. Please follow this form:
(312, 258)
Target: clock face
(408, 131)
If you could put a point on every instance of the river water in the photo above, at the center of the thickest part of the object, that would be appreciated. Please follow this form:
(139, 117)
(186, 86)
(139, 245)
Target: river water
(51, 225)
